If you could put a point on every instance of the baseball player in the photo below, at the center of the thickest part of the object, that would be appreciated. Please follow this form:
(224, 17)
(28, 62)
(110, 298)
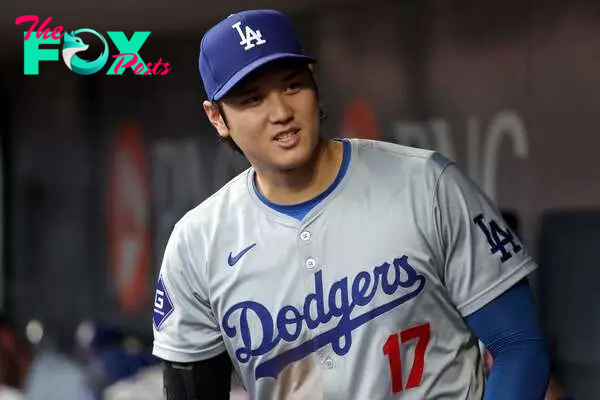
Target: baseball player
(335, 268)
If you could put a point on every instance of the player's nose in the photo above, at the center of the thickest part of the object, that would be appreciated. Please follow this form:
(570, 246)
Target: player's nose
(280, 111)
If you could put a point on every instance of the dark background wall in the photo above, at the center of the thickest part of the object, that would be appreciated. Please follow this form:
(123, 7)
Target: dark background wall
(98, 168)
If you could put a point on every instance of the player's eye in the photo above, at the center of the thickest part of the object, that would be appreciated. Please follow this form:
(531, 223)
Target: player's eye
(250, 100)
(294, 87)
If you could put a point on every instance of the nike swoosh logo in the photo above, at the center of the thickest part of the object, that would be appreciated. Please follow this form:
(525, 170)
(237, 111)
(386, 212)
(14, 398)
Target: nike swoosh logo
(232, 260)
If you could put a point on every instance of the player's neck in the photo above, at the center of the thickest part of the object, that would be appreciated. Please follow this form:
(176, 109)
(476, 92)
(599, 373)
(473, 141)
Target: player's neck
(303, 184)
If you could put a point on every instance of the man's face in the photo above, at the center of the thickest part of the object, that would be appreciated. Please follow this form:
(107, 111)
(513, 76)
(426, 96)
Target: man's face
(273, 116)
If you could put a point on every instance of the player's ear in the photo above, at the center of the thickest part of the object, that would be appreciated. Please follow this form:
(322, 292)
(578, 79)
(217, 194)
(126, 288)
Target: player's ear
(313, 71)
(216, 119)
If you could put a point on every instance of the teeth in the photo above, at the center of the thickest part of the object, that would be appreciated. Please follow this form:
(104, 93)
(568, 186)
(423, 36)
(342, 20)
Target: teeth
(284, 136)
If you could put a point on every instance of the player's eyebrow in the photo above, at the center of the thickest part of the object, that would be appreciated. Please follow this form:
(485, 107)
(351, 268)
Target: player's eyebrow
(249, 89)
(244, 91)
(291, 75)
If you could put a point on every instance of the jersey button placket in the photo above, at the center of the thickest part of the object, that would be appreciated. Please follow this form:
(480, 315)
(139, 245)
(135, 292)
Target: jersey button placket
(307, 248)
(330, 378)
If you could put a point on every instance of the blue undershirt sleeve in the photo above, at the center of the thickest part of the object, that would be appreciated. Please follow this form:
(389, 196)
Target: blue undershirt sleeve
(509, 328)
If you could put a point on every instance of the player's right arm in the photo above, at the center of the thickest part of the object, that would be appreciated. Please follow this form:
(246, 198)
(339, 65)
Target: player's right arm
(186, 333)
(208, 379)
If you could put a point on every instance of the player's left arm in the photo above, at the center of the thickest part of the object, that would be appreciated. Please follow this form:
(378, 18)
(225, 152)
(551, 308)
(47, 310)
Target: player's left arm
(508, 327)
(482, 261)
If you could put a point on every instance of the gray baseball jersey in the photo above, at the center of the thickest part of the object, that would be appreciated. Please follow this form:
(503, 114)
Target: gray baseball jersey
(362, 299)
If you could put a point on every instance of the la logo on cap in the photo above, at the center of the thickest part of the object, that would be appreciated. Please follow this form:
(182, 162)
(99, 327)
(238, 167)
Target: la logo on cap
(251, 38)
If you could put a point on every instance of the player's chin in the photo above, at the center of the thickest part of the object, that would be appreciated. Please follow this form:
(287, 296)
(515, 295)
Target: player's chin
(292, 159)
(290, 162)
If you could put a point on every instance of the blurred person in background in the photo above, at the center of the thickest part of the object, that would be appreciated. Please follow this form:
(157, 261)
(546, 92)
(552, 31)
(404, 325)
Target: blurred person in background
(15, 354)
(118, 360)
(147, 384)
(125, 369)
(115, 354)
(10, 393)
(121, 366)
(41, 372)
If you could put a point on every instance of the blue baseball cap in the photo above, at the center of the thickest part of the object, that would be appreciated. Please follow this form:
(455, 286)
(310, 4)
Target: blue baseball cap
(243, 42)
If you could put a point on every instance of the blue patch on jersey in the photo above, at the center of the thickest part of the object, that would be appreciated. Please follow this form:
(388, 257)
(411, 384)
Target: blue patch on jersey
(163, 306)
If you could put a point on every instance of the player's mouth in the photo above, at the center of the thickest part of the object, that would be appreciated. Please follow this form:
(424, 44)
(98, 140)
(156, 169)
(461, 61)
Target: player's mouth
(288, 138)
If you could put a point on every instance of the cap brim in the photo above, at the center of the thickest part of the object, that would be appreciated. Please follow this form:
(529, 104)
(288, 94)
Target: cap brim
(242, 73)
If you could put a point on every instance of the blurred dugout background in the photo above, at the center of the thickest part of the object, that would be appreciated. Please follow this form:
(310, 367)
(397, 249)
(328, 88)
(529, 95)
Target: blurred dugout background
(96, 169)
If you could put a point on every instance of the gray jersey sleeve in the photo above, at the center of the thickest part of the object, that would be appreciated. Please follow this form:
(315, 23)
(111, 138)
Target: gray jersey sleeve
(482, 256)
(185, 329)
